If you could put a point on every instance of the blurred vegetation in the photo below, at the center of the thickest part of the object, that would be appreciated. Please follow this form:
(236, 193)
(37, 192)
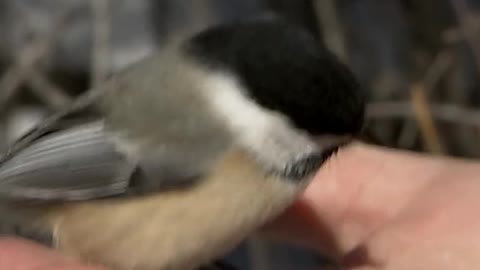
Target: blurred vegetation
(418, 61)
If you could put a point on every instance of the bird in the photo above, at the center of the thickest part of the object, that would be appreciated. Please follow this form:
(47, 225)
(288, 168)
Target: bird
(187, 152)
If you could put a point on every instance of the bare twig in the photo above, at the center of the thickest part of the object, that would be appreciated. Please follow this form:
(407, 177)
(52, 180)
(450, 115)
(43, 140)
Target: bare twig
(17, 73)
(455, 34)
(327, 16)
(425, 120)
(101, 40)
(468, 27)
(28, 57)
(439, 66)
(444, 112)
(51, 95)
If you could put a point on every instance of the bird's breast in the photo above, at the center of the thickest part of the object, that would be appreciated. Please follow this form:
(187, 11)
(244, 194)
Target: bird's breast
(175, 229)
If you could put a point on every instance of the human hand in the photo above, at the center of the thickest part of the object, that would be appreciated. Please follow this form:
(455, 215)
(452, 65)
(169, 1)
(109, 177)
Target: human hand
(19, 254)
(375, 208)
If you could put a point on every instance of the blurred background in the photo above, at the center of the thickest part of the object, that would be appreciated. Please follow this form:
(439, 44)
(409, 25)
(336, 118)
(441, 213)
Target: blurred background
(418, 63)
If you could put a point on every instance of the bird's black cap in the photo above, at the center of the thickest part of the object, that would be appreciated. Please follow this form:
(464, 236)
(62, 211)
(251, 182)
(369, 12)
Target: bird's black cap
(285, 69)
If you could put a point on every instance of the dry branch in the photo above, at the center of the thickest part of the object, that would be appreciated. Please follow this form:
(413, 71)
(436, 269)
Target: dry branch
(435, 71)
(101, 40)
(18, 72)
(425, 121)
(330, 24)
(468, 27)
(440, 111)
(52, 95)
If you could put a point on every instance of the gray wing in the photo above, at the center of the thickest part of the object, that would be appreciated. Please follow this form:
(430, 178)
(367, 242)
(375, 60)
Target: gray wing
(83, 162)
(75, 164)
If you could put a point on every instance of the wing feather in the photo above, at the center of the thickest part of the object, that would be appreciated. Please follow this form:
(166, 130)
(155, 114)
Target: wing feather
(76, 164)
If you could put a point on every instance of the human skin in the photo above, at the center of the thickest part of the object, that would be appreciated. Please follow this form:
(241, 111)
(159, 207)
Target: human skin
(378, 208)
(17, 254)
(368, 207)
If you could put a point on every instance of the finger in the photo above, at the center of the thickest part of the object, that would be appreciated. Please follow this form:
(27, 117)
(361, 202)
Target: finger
(17, 254)
(356, 192)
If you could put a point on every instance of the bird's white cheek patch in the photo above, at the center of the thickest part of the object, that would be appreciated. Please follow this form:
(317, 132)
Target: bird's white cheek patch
(265, 133)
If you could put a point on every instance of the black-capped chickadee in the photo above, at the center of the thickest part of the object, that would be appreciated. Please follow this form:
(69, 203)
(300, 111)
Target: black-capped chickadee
(189, 151)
